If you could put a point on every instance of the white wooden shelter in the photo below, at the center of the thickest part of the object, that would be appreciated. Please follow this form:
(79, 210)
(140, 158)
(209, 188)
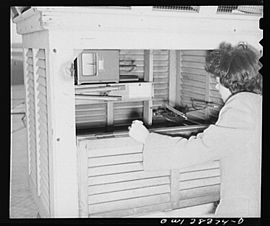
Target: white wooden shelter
(62, 173)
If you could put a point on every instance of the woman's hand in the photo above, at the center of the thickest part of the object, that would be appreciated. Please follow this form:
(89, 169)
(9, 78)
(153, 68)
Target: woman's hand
(138, 131)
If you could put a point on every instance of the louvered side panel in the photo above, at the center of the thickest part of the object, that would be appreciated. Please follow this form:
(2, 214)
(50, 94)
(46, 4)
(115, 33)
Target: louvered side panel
(117, 183)
(125, 112)
(27, 107)
(199, 184)
(91, 115)
(131, 62)
(194, 82)
(161, 77)
(43, 127)
(198, 86)
(31, 117)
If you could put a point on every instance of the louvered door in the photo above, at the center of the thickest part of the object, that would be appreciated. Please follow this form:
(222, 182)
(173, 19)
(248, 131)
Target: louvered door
(117, 185)
(113, 182)
(197, 87)
(161, 77)
(199, 184)
(37, 124)
(42, 115)
(30, 114)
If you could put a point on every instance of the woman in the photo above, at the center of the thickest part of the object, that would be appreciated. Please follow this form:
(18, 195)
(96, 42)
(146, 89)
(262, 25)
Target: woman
(235, 139)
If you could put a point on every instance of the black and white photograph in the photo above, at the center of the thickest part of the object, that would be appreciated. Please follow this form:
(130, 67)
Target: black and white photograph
(136, 112)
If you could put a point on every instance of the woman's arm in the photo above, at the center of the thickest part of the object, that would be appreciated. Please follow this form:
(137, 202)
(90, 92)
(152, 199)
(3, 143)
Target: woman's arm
(229, 134)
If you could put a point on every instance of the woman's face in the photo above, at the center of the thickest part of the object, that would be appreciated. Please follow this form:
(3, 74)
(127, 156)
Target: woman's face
(224, 92)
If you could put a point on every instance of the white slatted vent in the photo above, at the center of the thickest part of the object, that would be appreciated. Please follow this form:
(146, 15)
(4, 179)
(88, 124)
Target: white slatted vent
(37, 123)
(91, 115)
(178, 8)
(242, 9)
(42, 112)
(161, 77)
(200, 184)
(197, 87)
(117, 184)
(31, 121)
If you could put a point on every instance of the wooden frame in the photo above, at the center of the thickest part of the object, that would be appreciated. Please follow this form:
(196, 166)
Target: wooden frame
(146, 24)
(101, 190)
(173, 77)
(36, 122)
(82, 179)
(148, 76)
(27, 111)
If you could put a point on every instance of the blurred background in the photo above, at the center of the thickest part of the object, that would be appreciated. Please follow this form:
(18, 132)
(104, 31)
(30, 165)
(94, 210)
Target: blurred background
(16, 56)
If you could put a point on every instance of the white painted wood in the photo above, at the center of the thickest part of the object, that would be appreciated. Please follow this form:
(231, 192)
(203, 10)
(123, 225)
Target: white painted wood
(207, 94)
(112, 160)
(114, 178)
(193, 89)
(128, 194)
(51, 183)
(192, 94)
(105, 170)
(148, 26)
(99, 152)
(32, 23)
(127, 92)
(30, 60)
(174, 185)
(42, 72)
(36, 40)
(43, 133)
(148, 65)
(110, 115)
(27, 113)
(41, 55)
(200, 174)
(199, 182)
(134, 212)
(172, 77)
(195, 56)
(193, 78)
(208, 10)
(127, 185)
(82, 179)
(42, 210)
(37, 120)
(192, 83)
(197, 65)
(204, 166)
(41, 62)
(198, 200)
(63, 170)
(42, 81)
(148, 76)
(110, 144)
(194, 71)
(199, 192)
(129, 203)
(179, 76)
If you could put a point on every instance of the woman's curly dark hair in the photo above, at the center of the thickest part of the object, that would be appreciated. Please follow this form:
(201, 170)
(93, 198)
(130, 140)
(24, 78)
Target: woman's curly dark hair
(237, 67)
